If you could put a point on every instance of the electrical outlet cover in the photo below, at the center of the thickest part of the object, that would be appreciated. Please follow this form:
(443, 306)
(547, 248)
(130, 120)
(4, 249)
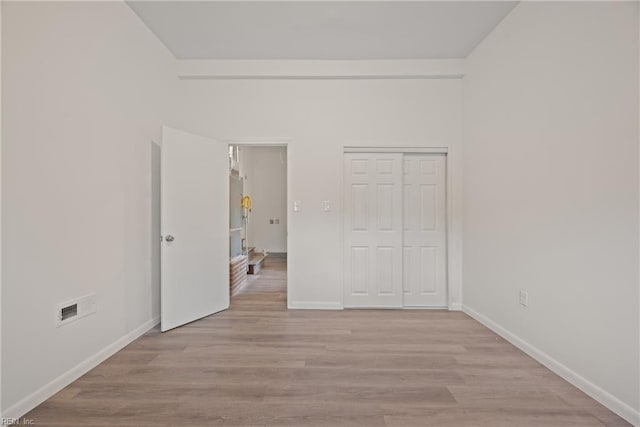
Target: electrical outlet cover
(524, 298)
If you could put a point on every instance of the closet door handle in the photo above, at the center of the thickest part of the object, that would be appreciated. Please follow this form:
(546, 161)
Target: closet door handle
(169, 238)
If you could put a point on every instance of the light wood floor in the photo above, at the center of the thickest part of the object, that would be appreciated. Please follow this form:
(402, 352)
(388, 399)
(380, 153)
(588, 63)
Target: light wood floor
(261, 364)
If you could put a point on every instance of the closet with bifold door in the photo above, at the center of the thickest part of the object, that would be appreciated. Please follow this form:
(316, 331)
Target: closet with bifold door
(395, 230)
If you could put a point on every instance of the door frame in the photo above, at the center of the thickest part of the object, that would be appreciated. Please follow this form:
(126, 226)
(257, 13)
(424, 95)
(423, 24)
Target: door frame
(272, 142)
(454, 254)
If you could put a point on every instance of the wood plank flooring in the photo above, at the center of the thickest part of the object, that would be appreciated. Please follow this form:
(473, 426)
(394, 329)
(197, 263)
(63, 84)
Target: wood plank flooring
(259, 364)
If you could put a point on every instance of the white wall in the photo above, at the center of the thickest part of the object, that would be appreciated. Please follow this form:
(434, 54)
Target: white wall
(265, 173)
(319, 117)
(86, 87)
(551, 188)
(1, 413)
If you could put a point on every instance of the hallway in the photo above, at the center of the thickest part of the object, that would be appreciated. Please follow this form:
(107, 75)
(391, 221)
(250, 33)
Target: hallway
(266, 290)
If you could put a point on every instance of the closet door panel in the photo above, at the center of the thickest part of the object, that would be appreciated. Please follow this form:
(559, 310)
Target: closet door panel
(425, 231)
(372, 227)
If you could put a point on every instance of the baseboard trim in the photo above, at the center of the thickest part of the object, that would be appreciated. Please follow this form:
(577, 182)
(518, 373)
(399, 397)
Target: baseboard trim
(277, 254)
(314, 305)
(45, 392)
(456, 306)
(597, 393)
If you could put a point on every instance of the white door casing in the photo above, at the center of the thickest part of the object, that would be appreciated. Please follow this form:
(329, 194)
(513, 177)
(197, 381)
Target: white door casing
(195, 227)
(425, 231)
(372, 230)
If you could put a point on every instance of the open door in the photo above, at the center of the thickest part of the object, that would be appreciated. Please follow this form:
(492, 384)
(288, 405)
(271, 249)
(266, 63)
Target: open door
(195, 227)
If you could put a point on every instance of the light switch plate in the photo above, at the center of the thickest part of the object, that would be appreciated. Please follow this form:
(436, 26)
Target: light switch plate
(326, 206)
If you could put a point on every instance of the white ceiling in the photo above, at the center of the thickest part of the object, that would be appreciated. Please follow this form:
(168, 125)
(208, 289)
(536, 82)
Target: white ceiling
(321, 29)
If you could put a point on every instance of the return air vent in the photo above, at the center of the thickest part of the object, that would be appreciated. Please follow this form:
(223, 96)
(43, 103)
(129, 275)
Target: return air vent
(68, 312)
(77, 309)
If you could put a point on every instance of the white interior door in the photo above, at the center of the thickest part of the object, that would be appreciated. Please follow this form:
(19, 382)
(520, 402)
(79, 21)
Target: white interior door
(373, 230)
(425, 231)
(195, 227)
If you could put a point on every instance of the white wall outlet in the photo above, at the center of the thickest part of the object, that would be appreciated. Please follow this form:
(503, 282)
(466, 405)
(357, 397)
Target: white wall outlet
(524, 298)
(296, 206)
(326, 206)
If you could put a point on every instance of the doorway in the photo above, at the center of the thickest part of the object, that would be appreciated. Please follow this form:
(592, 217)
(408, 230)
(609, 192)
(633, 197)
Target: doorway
(395, 230)
(258, 222)
(195, 226)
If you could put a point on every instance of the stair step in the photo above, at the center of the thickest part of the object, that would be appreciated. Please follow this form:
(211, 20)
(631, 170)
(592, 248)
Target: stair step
(255, 263)
(255, 258)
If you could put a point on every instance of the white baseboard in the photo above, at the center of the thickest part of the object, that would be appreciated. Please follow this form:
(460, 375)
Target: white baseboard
(325, 305)
(456, 306)
(607, 399)
(43, 393)
(314, 305)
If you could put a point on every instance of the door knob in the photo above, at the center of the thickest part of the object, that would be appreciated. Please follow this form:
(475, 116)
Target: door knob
(169, 238)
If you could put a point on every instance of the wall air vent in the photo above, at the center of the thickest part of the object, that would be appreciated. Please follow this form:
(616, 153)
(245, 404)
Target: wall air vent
(68, 312)
(77, 309)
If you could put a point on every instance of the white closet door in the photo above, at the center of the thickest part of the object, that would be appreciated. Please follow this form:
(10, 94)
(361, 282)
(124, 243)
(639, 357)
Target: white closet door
(373, 230)
(425, 231)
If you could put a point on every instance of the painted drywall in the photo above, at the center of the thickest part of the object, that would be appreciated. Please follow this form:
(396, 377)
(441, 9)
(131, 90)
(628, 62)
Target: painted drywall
(551, 186)
(1, 413)
(264, 170)
(155, 229)
(86, 87)
(319, 118)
